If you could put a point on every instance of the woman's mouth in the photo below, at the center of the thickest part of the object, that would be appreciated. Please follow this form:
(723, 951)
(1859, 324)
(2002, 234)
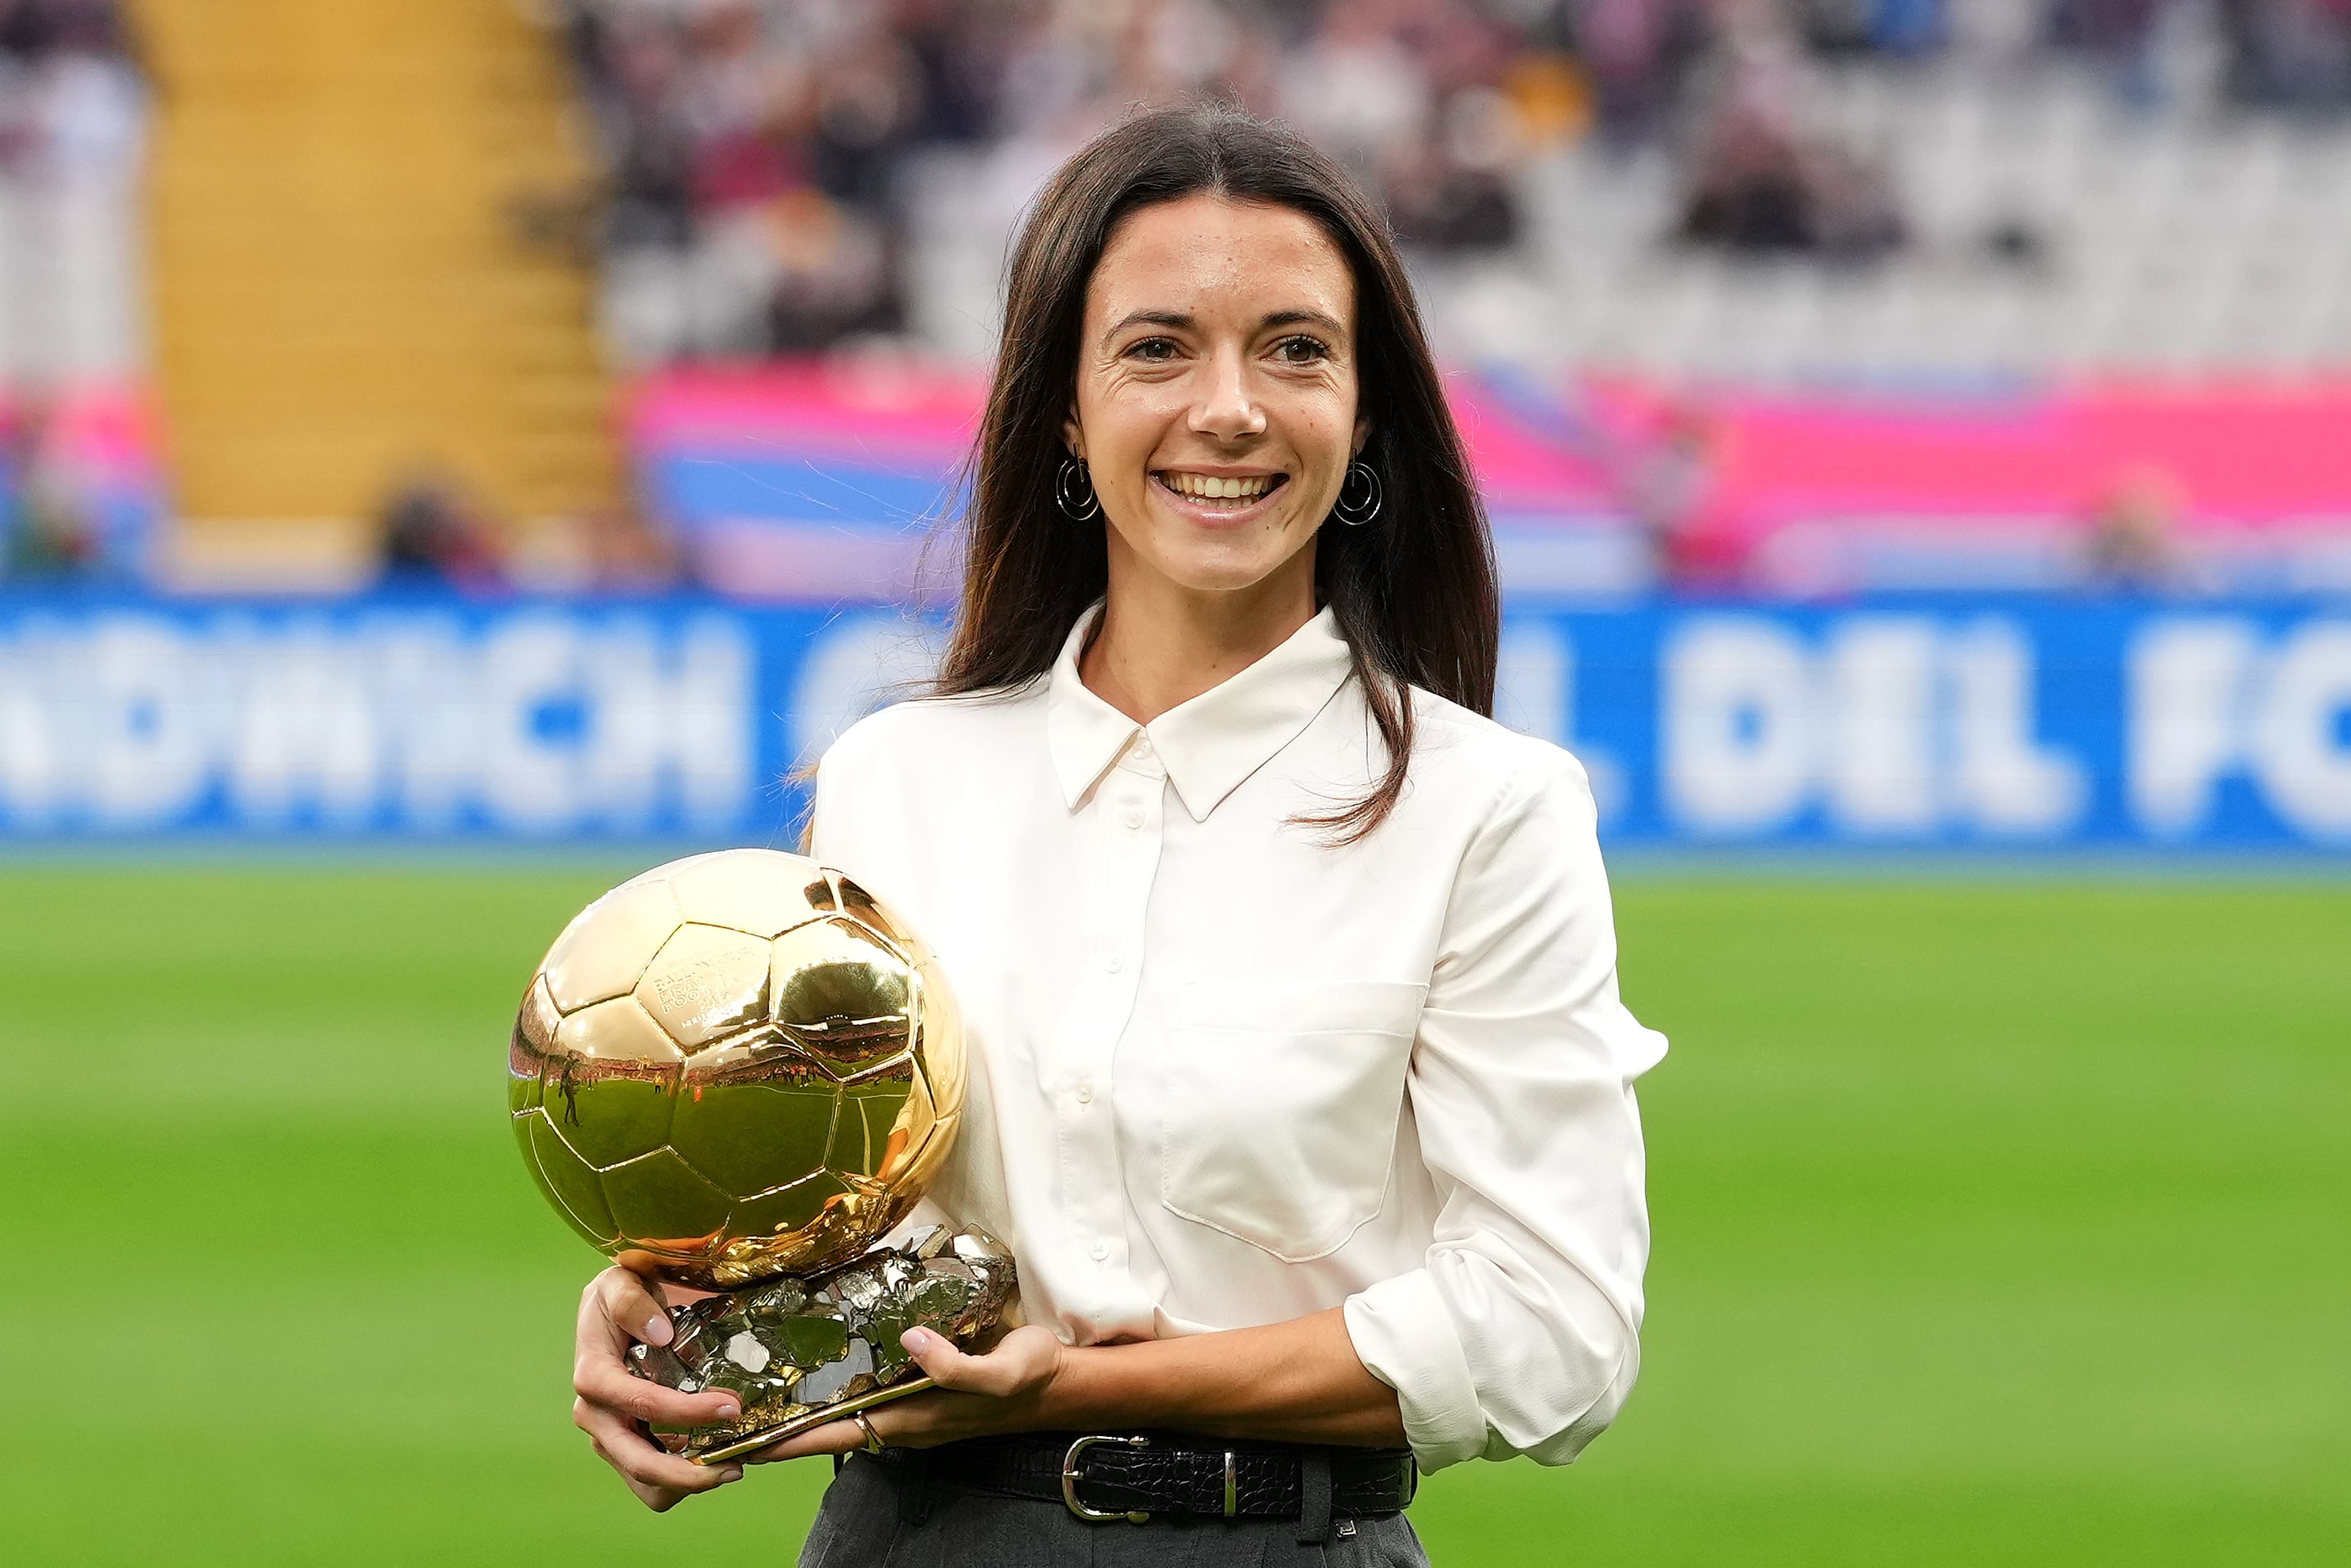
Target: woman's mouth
(1218, 495)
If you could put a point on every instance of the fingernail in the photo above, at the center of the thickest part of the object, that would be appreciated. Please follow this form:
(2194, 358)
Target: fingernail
(916, 1339)
(728, 1410)
(732, 1474)
(657, 1330)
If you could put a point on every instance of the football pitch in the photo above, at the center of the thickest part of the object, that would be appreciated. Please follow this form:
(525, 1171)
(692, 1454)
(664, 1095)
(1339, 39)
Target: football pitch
(1997, 1222)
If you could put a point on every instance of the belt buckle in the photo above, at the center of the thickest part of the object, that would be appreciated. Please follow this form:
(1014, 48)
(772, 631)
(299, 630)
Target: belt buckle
(1069, 1479)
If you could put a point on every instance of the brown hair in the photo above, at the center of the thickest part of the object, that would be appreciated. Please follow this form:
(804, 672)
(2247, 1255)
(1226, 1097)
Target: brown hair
(1414, 591)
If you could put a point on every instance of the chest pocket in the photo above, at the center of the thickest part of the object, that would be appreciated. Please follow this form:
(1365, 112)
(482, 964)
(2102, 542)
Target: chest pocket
(1278, 1108)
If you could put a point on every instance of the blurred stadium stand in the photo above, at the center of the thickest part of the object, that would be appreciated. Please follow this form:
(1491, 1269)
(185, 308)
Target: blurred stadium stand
(1792, 296)
(75, 479)
(1741, 188)
(2001, 343)
(1653, 234)
(350, 306)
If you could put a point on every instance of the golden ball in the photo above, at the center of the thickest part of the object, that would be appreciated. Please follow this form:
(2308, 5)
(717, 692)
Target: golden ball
(735, 1066)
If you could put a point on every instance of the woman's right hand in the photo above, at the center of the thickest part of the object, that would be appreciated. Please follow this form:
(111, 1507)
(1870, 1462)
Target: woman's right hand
(618, 1308)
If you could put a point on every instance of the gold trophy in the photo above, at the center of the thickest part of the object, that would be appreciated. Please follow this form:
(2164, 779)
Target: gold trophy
(738, 1073)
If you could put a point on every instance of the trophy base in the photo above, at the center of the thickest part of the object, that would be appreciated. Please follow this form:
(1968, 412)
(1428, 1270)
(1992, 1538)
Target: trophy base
(783, 1431)
(801, 1351)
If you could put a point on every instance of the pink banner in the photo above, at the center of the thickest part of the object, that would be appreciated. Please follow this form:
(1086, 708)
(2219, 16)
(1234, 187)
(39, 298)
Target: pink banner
(2232, 456)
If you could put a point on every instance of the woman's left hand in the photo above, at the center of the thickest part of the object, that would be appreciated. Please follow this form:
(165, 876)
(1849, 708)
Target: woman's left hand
(1004, 1390)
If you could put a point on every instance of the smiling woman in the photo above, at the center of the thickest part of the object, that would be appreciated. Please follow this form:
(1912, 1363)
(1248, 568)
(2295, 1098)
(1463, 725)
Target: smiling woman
(1200, 299)
(1302, 1097)
(1195, 421)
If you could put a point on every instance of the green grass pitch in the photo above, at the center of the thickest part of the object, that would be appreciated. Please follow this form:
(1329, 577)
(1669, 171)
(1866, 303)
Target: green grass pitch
(1996, 1223)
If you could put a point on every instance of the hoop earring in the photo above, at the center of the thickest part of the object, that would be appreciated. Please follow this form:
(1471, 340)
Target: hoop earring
(1359, 495)
(1073, 491)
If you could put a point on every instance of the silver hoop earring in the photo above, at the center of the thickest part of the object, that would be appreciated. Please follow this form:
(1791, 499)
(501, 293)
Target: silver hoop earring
(1073, 491)
(1359, 495)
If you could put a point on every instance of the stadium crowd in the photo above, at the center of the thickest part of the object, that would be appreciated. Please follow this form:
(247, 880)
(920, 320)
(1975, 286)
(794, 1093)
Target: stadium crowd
(757, 147)
(72, 130)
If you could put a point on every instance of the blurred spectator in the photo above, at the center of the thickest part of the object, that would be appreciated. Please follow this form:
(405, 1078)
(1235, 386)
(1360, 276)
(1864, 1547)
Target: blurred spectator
(2292, 55)
(1833, 26)
(753, 147)
(2133, 545)
(624, 551)
(608, 549)
(759, 152)
(2287, 55)
(756, 148)
(1762, 179)
(1358, 91)
(434, 533)
(72, 130)
(2119, 37)
(48, 532)
(1639, 52)
(1666, 481)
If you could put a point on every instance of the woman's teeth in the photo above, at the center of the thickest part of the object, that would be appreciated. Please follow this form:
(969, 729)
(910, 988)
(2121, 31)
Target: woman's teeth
(1210, 487)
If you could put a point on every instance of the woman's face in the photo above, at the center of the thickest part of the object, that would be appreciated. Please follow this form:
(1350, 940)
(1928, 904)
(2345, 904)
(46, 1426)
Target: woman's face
(1216, 399)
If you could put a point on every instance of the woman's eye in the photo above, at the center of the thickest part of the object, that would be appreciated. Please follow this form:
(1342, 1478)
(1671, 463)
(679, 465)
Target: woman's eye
(1301, 350)
(1156, 349)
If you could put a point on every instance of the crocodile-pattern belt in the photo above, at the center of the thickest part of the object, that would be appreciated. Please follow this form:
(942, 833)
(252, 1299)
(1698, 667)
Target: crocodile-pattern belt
(1132, 1476)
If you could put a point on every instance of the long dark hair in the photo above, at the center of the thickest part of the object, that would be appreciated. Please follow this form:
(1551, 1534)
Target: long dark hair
(1413, 592)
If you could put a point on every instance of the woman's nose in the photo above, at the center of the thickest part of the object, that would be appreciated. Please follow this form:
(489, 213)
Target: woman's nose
(1227, 410)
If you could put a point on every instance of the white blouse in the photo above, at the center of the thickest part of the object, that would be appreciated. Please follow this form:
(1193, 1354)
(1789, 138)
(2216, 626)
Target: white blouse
(1225, 1073)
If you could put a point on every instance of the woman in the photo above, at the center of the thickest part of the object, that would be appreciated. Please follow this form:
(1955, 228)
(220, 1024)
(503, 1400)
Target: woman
(1301, 1089)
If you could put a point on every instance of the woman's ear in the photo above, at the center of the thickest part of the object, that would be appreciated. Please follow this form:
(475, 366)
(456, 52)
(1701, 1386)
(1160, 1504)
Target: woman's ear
(1363, 435)
(1073, 435)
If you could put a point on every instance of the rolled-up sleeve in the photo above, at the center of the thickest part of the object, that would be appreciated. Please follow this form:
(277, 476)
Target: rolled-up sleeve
(1520, 1333)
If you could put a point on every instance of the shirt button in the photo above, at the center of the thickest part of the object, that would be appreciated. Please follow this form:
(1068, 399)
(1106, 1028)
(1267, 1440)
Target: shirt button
(1143, 746)
(1134, 816)
(1085, 1093)
(1114, 963)
(1101, 1249)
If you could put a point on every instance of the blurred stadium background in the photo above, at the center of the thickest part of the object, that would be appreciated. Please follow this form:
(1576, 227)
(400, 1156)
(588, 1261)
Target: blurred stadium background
(453, 452)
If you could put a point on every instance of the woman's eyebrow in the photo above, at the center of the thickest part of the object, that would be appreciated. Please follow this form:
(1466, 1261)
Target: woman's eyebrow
(1182, 322)
(1304, 318)
(1176, 318)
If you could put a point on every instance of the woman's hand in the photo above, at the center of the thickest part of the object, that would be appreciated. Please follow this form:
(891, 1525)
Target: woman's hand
(1298, 1382)
(619, 1307)
(1006, 1389)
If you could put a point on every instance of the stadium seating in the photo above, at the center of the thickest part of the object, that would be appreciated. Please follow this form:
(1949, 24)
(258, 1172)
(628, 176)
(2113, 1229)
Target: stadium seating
(2183, 242)
(346, 290)
(372, 236)
(2170, 245)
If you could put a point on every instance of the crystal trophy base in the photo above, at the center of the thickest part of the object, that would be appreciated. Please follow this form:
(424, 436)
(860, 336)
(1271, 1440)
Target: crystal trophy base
(801, 1351)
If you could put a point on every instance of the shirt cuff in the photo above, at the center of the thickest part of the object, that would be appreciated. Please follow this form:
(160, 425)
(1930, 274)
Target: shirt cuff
(1405, 1338)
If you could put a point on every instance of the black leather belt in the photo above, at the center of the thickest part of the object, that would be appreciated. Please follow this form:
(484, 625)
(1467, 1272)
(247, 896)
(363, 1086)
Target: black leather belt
(1105, 1476)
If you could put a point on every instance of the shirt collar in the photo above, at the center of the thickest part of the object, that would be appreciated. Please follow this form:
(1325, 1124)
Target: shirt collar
(1210, 744)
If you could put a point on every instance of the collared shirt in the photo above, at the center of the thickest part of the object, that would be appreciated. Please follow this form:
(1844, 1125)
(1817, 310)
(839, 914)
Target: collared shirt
(1227, 1073)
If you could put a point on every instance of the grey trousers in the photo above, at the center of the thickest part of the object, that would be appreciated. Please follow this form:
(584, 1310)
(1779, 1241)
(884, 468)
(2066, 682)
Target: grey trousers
(889, 1514)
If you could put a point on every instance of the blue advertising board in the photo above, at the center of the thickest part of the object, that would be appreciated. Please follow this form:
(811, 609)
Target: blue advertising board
(2018, 725)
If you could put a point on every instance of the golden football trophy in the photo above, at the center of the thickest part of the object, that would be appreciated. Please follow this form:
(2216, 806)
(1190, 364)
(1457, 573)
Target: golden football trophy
(738, 1073)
